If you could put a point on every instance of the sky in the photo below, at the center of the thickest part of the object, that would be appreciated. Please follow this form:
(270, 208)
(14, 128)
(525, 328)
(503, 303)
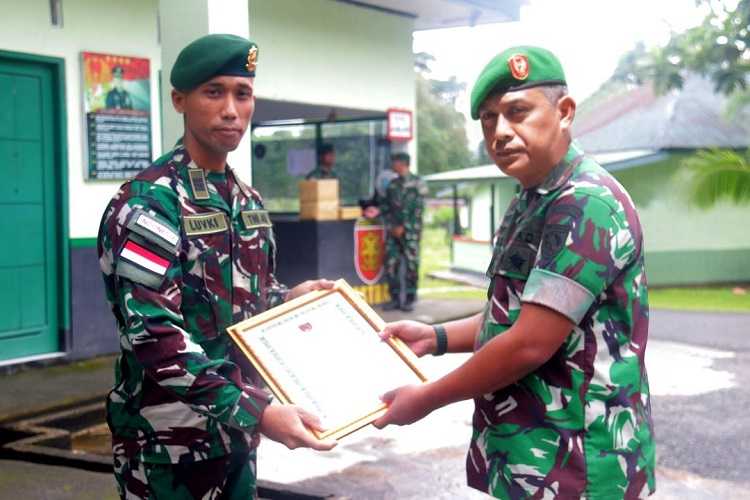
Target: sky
(588, 36)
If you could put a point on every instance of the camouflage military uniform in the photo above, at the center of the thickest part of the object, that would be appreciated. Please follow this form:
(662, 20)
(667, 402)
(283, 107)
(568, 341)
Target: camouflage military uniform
(403, 205)
(580, 425)
(319, 173)
(184, 254)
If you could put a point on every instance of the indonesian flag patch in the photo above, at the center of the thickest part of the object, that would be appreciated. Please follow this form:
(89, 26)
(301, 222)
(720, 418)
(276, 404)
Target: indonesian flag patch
(145, 258)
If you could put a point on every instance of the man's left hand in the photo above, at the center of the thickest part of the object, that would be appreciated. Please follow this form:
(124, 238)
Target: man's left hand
(309, 286)
(406, 405)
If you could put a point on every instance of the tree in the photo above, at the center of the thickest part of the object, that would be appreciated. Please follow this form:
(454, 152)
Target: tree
(441, 142)
(718, 49)
(719, 175)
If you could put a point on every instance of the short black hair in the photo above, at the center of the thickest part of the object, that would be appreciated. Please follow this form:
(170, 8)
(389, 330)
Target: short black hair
(403, 157)
(326, 148)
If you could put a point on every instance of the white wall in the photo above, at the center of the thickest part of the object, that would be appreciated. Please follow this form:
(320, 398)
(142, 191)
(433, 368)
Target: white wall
(109, 26)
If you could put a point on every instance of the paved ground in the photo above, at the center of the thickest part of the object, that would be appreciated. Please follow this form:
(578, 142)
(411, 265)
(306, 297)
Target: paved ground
(700, 374)
(706, 433)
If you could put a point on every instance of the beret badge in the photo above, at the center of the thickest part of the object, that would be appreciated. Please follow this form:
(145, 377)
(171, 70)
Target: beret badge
(519, 66)
(252, 59)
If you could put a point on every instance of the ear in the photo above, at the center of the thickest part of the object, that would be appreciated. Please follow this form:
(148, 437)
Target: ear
(178, 101)
(566, 106)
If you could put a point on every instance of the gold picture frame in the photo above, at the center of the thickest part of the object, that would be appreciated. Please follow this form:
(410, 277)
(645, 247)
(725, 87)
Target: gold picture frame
(322, 351)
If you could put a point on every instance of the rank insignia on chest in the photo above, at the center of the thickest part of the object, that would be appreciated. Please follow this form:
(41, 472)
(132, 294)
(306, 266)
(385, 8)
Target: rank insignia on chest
(256, 218)
(198, 183)
(198, 225)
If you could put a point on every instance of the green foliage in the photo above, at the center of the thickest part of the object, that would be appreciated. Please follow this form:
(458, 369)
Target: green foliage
(441, 217)
(718, 49)
(718, 175)
(441, 140)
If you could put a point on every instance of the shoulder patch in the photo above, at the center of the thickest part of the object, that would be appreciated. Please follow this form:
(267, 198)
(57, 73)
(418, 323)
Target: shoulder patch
(200, 224)
(256, 218)
(155, 230)
(141, 265)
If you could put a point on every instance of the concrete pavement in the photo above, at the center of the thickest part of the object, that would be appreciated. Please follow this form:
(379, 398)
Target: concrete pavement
(700, 372)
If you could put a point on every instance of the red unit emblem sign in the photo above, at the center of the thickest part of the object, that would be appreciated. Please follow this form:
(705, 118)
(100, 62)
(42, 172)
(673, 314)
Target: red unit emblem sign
(369, 250)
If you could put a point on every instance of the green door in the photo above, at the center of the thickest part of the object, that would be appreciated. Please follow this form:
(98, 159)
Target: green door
(29, 276)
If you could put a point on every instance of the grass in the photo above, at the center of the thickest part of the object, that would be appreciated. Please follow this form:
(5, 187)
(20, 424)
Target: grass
(700, 299)
(435, 255)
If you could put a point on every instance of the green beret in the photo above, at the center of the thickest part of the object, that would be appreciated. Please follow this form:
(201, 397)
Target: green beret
(213, 55)
(516, 68)
(402, 157)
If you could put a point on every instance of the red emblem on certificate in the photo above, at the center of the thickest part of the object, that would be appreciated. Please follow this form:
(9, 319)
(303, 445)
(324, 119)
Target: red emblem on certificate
(519, 66)
(369, 250)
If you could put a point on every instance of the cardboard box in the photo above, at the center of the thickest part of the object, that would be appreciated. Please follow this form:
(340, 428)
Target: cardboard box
(319, 210)
(318, 190)
(350, 212)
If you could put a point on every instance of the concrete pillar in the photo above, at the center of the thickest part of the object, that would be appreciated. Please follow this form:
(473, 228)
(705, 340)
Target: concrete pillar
(181, 22)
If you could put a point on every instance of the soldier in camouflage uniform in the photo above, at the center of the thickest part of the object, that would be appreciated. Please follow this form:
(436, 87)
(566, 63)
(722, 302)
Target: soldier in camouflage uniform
(402, 208)
(186, 249)
(326, 162)
(562, 406)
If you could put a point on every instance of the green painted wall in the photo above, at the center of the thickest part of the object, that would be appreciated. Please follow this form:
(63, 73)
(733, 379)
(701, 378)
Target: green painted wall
(685, 244)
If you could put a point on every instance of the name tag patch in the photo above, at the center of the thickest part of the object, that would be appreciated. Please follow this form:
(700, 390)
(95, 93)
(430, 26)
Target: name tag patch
(196, 225)
(154, 230)
(256, 218)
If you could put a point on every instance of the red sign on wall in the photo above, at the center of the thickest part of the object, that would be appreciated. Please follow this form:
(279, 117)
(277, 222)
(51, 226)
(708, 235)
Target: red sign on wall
(400, 125)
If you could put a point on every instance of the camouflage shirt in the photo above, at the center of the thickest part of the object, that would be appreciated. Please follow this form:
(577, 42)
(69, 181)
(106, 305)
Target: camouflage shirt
(319, 173)
(184, 254)
(403, 203)
(580, 424)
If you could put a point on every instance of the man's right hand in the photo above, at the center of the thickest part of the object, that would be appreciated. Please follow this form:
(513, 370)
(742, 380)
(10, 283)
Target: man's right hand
(398, 231)
(420, 337)
(286, 424)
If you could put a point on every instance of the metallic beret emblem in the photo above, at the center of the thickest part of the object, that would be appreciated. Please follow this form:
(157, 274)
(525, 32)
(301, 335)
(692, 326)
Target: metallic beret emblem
(252, 59)
(519, 66)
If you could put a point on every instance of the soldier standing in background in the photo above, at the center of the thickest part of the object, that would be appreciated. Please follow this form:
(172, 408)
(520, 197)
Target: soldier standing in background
(326, 162)
(558, 374)
(402, 209)
(186, 249)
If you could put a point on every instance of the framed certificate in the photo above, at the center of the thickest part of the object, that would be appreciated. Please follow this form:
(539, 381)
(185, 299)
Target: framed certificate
(322, 352)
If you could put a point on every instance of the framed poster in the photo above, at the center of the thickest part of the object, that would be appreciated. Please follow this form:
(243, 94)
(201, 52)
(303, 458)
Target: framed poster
(117, 105)
(322, 352)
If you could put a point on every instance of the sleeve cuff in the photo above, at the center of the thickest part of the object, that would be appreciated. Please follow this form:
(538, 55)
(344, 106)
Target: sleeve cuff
(559, 293)
(249, 407)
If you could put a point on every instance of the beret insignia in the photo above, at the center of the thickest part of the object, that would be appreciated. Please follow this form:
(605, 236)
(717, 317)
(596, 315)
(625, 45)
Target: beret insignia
(519, 66)
(252, 59)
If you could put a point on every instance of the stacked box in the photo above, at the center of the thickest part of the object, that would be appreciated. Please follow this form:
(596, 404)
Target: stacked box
(319, 199)
(350, 212)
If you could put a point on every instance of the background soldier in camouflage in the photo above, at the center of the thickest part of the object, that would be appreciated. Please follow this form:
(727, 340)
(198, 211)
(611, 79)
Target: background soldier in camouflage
(402, 208)
(186, 250)
(326, 162)
(562, 407)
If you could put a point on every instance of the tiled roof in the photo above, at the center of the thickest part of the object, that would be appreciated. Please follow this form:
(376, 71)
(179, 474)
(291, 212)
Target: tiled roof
(620, 118)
